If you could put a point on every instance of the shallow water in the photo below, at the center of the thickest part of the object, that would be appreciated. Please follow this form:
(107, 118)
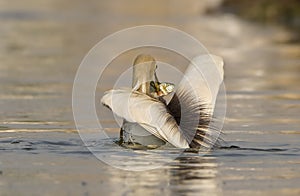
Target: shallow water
(42, 45)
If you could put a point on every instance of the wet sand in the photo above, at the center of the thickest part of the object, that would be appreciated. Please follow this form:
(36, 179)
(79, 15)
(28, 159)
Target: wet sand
(42, 45)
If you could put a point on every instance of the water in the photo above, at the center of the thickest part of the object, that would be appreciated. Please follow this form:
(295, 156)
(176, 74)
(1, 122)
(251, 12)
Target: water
(42, 45)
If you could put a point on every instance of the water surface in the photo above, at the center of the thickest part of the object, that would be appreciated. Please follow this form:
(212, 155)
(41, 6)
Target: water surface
(42, 45)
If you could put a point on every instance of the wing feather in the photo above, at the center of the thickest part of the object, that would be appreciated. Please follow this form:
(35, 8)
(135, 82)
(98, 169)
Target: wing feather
(193, 103)
(150, 113)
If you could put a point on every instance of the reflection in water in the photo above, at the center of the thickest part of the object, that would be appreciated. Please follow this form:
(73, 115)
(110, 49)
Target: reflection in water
(194, 174)
(189, 174)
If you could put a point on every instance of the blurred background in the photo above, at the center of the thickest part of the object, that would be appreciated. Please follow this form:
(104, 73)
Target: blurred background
(43, 43)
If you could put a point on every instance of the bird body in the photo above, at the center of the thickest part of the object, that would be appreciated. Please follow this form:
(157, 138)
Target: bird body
(186, 121)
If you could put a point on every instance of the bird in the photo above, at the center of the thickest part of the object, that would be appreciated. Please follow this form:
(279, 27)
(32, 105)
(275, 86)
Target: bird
(186, 121)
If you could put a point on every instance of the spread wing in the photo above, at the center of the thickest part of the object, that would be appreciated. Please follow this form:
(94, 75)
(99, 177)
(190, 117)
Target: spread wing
(150, 113)
(193, 103)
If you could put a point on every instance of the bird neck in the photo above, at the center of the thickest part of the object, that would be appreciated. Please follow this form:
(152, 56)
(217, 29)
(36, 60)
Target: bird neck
(143, 73)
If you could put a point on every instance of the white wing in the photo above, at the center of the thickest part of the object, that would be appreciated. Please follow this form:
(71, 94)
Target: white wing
(194, 101)
(148, 112)
(203, 78)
